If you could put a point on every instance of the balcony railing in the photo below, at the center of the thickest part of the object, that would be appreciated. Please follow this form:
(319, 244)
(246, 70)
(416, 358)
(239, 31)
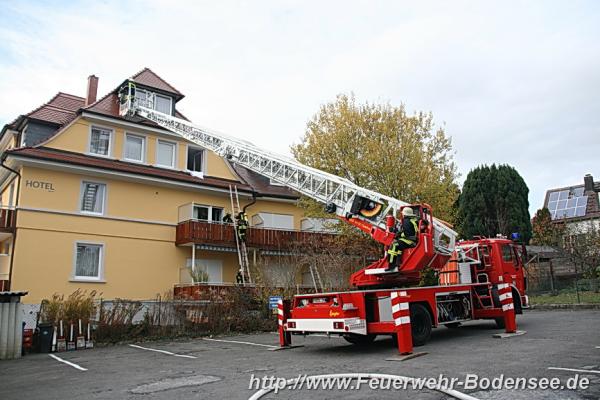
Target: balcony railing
(7, 219)
(202, 232)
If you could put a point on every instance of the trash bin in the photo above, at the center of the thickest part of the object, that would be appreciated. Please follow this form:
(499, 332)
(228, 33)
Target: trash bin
(44, 342)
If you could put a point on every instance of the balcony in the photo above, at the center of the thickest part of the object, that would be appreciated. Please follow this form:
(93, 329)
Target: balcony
(222, 235)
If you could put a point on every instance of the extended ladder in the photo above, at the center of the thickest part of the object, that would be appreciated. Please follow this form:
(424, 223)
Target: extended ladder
(336, 192)
(242, 251)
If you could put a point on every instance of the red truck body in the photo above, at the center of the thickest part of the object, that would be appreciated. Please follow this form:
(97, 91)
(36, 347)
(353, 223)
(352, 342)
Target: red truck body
(488, 266)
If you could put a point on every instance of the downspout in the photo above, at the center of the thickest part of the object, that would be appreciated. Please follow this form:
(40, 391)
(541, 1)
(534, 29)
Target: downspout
(14, 238)
(251, 203)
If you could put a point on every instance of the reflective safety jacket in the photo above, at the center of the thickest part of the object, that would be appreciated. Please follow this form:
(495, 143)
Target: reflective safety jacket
(410, 227)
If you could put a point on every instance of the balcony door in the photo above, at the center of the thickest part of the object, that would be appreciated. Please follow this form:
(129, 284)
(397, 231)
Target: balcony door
(214, 269)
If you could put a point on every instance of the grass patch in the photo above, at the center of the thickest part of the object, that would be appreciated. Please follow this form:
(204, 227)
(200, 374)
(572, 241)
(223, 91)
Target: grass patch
(566, 298)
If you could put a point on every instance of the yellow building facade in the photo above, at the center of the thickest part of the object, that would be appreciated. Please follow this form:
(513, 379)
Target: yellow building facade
(95, 201)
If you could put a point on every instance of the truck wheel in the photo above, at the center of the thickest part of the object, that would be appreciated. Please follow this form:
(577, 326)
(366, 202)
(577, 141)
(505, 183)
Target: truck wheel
(420, 322)
(359, 340)
(517, 302)
(500, 322)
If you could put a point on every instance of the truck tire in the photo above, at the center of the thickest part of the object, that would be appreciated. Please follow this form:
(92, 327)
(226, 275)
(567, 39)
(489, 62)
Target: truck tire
(500, 323)
(517, 302)
(420, 322)
(359, 340)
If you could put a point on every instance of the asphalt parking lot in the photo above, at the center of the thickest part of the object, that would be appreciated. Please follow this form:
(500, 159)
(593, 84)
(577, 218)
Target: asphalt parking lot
(557, 344)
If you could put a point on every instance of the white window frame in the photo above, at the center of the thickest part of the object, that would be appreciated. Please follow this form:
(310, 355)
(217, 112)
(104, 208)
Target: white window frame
(204, 153)
(111, 141)
(100, 277)
(175, 159)
(156, 94)
(166, 97)
(82, 190)
(144, 147)
(210, 209)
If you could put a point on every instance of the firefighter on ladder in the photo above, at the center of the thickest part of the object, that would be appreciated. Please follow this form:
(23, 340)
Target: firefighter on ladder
(405, 238)
(242, 225)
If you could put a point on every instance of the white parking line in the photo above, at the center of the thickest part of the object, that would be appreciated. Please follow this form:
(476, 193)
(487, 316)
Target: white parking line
(240, 342)
(161, 351)
(589, 371)
(68, 363)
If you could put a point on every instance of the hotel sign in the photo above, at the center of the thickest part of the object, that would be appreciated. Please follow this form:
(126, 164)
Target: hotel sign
(47, 186)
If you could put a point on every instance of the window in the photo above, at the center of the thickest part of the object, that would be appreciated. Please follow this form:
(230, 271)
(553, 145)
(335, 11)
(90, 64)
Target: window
(163, 104)
(213, 269)
(135, 147)
(208, 213)
(88, 261)
(217, 214)
(141, 96)
(273, 221)
(195, 159)
(507, 253)
(201, 212)
(100, 141)
(165, 154)
(92, 197)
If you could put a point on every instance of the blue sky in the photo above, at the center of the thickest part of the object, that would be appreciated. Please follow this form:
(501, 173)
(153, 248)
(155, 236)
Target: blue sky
(512, 82)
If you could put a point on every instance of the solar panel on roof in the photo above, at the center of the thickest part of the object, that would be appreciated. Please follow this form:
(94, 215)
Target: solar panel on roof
(567, 203)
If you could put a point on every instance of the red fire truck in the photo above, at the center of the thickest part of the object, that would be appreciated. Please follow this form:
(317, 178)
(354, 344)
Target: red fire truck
(483, 278)
(489, 285)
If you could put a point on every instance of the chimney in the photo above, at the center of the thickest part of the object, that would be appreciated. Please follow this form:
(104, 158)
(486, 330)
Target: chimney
(593, 204)
(92, 90)
(588, 183)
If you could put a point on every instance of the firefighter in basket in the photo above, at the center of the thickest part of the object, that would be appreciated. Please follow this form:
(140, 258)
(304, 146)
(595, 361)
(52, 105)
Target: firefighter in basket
(406, 238)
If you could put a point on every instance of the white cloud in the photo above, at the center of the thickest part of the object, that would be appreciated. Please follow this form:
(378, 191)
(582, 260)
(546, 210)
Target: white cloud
(514, 82)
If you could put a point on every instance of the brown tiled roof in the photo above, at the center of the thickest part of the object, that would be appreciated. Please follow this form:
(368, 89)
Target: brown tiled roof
(62, 156)
(147, 77)
(59, 110)
(261, 184)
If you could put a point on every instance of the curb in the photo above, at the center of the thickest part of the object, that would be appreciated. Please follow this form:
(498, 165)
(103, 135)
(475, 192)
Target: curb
(575, 307)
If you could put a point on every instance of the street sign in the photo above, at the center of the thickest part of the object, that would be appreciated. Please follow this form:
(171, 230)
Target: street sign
(273, 301)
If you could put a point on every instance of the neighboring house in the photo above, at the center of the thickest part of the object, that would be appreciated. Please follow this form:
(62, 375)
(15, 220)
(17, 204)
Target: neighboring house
(96, 201)
(577, 206)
